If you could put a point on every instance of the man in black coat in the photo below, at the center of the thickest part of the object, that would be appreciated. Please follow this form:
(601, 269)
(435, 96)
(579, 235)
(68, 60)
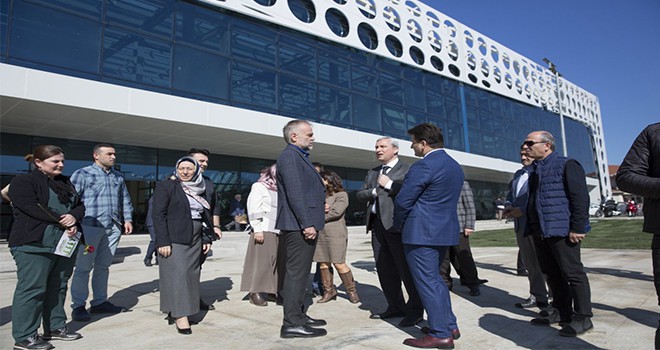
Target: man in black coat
(640, 174)
(300, 216)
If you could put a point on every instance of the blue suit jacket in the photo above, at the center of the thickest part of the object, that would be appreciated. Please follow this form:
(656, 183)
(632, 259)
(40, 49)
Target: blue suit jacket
(425, 208)
(300, 192)
(519, 201)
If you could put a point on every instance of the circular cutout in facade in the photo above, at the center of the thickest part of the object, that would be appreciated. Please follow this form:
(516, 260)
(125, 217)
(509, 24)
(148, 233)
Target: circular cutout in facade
(433, 19)
(473, 78)
(468, 38)
(437, 63)
(483, 48)
(415, 30)
(392, 18)
(506, 61)
(368, 36)
(485, 68)
(337, 22)
(486, 83)
(450, 28)
(413, 8)
(453, 50)
(454, 70)
(519, 86)
(417, 55)
(471, 60)
(497, 74)
(495, 53)
(367, 8)
(508, 80)
(266, 2)
(525, 71)
(394, 46)
(435, 41)
(341, 2)
(516, 67)
(303, 10)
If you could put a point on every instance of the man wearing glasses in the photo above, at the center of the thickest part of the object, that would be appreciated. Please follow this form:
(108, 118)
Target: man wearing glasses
(558, 219)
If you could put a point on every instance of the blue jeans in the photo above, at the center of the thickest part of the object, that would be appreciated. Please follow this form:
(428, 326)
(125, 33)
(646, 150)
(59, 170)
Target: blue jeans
(105, 241)
(424, 262)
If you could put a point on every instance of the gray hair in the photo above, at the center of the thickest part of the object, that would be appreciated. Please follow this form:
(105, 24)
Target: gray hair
(547, 137)
(291, 127)
(393, 142)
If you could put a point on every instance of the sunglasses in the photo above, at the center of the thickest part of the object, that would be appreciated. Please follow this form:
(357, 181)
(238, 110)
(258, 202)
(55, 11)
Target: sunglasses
(530, 143)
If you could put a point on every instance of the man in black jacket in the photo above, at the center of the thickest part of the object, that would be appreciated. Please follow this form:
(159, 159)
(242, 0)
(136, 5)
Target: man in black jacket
(640, 174)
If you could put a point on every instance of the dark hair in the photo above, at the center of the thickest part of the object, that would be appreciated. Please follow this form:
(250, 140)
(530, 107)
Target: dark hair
(44, 152)
(203, 151)
(319, 166)
(428, 132)
(101, 145)
(334, 182)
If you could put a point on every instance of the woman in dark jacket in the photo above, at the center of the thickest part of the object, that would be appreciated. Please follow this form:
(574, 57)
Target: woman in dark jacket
(183, 227)
(46, 208)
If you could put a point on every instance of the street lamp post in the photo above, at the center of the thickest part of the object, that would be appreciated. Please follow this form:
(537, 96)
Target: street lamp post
(553, 69)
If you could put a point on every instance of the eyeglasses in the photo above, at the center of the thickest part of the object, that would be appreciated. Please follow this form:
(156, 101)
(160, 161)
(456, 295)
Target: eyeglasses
(530, 143)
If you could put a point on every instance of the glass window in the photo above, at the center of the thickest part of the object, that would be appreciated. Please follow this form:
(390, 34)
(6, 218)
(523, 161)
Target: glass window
(303, 10)
(149, 16)
(202, 27)
(253, 43)
(297, 97)
(337, 22)
(333, 69)
(296, 57)
(132, 57)
(454, 137)
(334, 106)
(253, 85)
(363, 79)
(578, 145)
(75, 44)
(390, 89)
(394, 120)
(4, 19)
(200, 72)
(414, 118)
(14, 148)
(91, 8)
(366, 113)
(368, 36)
(415, 95)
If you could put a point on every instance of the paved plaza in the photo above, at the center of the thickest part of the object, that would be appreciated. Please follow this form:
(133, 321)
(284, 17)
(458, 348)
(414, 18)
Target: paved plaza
(624, 301)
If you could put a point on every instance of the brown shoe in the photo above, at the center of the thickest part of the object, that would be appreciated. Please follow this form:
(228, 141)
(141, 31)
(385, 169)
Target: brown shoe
(257, 299)
(430, 342)
(349, 283)
(329, 290)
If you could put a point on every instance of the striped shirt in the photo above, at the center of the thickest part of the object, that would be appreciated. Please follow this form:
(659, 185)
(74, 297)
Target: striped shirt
(105, 196)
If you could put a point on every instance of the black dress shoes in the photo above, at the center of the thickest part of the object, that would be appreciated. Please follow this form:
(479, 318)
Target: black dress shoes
(184, 331)
(301, 332)
(529, 302)
(409, 321)
(577, 327)
(314, 322)
(430, 342)
(387, 314)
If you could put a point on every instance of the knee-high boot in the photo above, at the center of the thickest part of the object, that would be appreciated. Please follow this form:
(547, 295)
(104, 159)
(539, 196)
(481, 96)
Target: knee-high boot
(349, 283)
(329, 290)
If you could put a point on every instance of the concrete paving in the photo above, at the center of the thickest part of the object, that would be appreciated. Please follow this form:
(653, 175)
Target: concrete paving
(623, 296)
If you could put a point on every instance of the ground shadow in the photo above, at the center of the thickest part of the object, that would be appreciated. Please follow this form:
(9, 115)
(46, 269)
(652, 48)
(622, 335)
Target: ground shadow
(367, 265)
(635, 275)
(644, 317)
(528, 336)
(123, 252)
(5, 315)
(215, 290)
(497, 267)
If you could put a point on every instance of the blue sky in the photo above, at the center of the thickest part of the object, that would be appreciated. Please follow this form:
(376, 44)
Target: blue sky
(607, 47)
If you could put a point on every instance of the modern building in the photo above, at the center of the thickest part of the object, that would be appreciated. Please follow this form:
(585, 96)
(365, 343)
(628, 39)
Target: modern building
(157, 77)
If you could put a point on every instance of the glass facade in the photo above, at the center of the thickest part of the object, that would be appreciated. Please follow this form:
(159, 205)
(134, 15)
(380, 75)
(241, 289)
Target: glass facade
(202, 52)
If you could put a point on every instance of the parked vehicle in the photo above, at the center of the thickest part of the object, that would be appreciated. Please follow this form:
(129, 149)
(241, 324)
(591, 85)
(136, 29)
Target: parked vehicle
(595, 210)
(610, 208)
(631, 208)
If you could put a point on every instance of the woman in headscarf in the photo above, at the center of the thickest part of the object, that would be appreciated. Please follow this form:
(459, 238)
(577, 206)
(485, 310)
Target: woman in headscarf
(183, 227)
(333, 240)
(46, 208)
(261, 263)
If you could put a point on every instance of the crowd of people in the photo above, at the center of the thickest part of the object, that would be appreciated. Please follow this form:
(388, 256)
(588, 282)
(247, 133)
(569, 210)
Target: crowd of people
(421, 217)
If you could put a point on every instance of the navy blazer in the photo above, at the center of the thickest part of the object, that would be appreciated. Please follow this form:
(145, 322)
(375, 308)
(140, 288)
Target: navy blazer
(300, 192)
(520, 200)
(171, 215)
(425, 208)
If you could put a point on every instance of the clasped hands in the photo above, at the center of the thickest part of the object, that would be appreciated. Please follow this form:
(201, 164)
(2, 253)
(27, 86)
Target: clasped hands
(69, 223)
(310, 232)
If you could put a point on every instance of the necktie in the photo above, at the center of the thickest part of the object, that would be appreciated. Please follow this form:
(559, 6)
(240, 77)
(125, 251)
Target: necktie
(386, 169)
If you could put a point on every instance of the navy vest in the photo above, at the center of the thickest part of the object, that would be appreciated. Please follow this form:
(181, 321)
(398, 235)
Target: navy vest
(551, 202)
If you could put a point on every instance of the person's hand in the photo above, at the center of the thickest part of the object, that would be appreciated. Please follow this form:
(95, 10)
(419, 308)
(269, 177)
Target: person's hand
(67, 220)
(218, 232)
(327, 207)
(128, 228)
(512, 212)
(165, 251)
(310, 232)
(467, 232)
(71, 231)
(383, 180)
(206, 247)
(259, 237)
(576, 237)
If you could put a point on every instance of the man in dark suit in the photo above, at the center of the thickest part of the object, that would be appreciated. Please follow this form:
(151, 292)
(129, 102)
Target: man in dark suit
(300, 216)
(379, 190)
(202, 157)
(425, 210)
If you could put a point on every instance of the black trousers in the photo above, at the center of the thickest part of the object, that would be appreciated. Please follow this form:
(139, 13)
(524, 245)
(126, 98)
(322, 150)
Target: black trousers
(392, 269)
(298, 253)
(461, 257)
(560, 260)
(655, 256)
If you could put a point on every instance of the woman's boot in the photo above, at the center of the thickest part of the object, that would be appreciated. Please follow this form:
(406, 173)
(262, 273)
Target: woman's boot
(349, 283)
(330, 292)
